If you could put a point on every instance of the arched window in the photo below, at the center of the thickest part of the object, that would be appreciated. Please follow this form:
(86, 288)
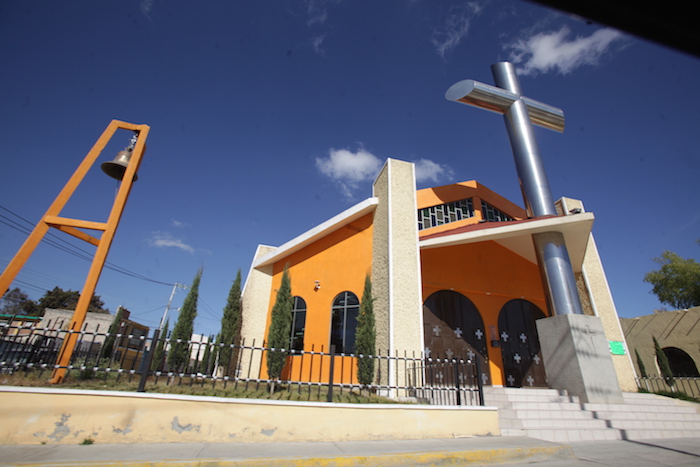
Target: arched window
(345, 309)
(680, 362)
(296, 341)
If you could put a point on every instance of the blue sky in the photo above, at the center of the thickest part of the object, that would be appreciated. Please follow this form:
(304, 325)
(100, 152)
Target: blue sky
(270, 117)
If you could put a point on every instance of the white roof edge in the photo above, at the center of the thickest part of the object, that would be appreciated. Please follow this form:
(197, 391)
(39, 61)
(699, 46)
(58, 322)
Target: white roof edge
(535, 226)
(351, 214)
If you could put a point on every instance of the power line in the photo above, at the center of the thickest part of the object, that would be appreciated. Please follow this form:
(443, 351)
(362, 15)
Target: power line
(70, 248)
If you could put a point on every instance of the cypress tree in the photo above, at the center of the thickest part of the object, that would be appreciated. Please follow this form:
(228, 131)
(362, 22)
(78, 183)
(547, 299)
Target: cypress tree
(108, 346)
(231, 326)
(178, 357)
(640, 364)
(663, 364)
(280, 328)
(365, 336)
(159, 355)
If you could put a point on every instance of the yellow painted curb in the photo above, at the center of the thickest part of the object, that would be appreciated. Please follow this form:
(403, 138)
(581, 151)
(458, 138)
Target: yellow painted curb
(437, 458)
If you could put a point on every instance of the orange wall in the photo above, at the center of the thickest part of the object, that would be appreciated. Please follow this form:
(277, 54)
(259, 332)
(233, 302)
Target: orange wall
(487, 274)
(340, 261)
(429, 197)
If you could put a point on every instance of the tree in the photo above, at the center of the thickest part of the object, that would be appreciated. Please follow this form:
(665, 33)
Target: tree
(159, 355)
(677, 282)
(16, 302)
(178, 357)
(365, 336)
(60, 299)
(108, 346)
(231, 325)
(209, 356)
(640, 364)
(280, 328)
(664, 366)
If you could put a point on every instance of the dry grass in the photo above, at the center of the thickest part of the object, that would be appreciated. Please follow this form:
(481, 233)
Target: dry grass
(194, 386)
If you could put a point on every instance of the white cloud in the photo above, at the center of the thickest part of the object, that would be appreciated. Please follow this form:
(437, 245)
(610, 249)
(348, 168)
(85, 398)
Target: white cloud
(429, 171)
(317, 11)
(316, 43)
(165, 239)
(554, 51)
(349, 168)
(456, 27)
(177, 223)
(146, 6)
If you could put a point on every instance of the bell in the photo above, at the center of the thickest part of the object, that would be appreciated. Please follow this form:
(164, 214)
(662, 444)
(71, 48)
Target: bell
(117, 167)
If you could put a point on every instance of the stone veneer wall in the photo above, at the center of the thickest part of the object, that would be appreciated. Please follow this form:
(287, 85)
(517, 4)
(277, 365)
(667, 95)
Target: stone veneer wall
(601, 301)
(396, 279)
(255, 302)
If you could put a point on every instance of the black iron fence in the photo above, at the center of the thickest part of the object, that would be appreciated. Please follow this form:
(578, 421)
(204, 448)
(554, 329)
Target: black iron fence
(687, 385)
(315, 374)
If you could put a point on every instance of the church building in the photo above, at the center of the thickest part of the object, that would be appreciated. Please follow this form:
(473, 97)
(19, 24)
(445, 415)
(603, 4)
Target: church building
(454, 273)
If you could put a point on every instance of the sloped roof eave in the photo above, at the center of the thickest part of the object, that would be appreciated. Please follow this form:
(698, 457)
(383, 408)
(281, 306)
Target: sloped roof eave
(351, 214)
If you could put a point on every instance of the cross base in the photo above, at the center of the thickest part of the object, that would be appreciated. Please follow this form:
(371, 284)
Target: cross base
(576, 358)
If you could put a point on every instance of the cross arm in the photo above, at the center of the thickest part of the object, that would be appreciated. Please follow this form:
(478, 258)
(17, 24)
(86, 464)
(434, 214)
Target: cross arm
(499, 100)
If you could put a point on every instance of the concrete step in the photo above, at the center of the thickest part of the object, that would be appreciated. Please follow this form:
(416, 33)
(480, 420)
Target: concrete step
(660, 425)
(546, 414)
(553, 415)
(546, 406)
(644, 416)
(651, 411)
(540, 424)
(652, 434)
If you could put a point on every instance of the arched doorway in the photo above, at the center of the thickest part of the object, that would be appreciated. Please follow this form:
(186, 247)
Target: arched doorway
(453, 328)
(520, 345)
(680, 362)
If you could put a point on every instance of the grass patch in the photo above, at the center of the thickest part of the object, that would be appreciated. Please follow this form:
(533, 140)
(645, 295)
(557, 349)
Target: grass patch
(196, 387)
(676, 395)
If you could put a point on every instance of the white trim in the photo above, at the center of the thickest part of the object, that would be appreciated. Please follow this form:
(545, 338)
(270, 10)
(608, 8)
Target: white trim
(390, 270)
(419, 271)
(344, 218)
(231, 400)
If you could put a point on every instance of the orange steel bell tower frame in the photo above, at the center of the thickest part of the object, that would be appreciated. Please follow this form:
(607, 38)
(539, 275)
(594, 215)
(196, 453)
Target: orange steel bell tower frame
(71, 226)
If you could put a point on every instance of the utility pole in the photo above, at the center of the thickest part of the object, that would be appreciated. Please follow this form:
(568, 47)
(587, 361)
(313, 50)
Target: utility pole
(176, 286)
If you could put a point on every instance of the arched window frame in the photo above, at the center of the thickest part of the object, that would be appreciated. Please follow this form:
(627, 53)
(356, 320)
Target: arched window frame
(296, 339)
(344, 312)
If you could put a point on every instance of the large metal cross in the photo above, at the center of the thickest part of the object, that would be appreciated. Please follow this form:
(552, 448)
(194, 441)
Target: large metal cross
(520, 113)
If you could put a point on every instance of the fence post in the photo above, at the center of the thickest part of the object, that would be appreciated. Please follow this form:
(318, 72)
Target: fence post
(148, 359)
(479, 381)
(455, 363)
(330, 376)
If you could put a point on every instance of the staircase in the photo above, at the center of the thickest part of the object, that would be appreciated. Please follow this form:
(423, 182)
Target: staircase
(555, 416)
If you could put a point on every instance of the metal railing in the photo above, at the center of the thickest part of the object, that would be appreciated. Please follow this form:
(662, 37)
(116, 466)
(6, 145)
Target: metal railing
(689, 385)
(315, 374)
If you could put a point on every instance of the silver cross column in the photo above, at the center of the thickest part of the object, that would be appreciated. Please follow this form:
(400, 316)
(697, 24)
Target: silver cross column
(520, 112)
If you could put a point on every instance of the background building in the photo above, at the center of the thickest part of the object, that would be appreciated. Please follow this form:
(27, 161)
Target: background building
(678, 334)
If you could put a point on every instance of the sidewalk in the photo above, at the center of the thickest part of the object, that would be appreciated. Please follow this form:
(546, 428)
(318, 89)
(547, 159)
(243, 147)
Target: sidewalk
(462, 451)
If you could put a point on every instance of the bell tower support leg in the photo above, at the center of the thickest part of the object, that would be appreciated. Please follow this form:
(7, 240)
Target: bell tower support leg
(71, 226)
